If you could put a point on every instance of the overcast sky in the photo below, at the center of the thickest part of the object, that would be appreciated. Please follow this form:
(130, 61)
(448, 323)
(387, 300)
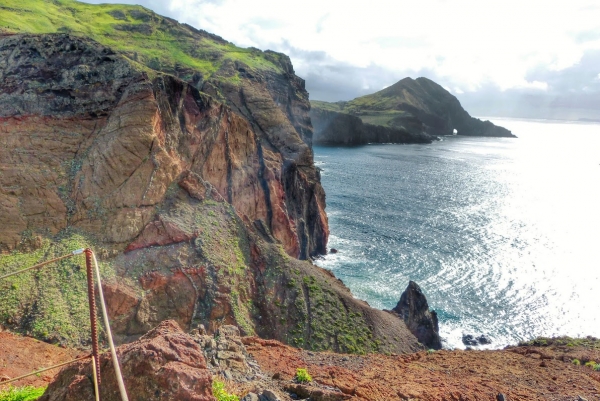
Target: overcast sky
(514, 58)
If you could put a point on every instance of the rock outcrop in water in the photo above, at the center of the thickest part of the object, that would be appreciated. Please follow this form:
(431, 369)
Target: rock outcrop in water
(418, 107)
(197, 212)
(422, 322)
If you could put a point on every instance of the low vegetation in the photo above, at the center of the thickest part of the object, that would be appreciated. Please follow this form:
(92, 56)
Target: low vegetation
(50, 303)
(219, 392)
(154, 41)
(21, 393)
(302, 376)
(586, 342)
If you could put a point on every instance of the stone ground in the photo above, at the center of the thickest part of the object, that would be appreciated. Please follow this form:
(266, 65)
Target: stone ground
(265, 367)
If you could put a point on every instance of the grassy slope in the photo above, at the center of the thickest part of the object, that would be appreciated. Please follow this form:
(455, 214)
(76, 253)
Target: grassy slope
(50, 303)
(21, 393)
(378, 108)
(155, 41)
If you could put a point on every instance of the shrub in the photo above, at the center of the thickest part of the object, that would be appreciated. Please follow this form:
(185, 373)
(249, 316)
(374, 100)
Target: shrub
(218, 389)
(597, 367)
(302, 376)
(591, 364)
(21, 393)
(430, 351)
(576, 362)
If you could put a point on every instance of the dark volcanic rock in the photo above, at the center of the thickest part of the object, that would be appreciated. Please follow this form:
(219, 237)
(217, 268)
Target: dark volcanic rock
(484, 340)
(469, 339)
(333, 128)
(422, 322)
(164, 364)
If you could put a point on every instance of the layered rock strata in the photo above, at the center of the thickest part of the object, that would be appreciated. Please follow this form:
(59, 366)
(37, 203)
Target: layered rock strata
(196, 212)
(93, 143)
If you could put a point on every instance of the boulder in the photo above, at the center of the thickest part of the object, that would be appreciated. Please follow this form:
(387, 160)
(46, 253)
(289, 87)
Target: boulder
(469, 339)
(422, 322)
(164, 364)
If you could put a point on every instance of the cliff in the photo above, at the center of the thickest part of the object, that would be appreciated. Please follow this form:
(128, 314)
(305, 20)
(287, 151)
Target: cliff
(193, 208)
(416, 106)
(259, 86)
(334, 128)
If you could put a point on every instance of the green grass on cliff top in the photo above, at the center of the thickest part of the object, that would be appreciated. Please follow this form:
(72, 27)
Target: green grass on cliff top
(363, 110)
(380, 108)
(142, 35)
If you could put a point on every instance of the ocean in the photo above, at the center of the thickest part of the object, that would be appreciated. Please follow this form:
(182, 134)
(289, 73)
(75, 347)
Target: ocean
(502, 234)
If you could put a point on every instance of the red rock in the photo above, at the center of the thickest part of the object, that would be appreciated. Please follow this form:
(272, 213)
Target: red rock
(164, 364)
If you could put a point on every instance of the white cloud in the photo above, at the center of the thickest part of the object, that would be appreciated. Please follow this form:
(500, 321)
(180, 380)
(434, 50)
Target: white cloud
(468, 44)
(537, 85)
(472, 42)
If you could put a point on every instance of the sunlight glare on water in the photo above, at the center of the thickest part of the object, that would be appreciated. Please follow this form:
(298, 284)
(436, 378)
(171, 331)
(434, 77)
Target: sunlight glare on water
(501, 234)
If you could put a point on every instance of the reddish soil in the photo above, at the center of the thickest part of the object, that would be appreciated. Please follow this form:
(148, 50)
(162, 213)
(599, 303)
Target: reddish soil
(520, 373)
(21, 355)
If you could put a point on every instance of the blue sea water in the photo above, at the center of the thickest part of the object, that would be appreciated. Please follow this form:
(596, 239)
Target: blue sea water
(503, 235)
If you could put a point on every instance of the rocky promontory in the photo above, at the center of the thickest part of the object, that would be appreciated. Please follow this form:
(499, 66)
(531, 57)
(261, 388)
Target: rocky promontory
(409, 111)
(335, 128)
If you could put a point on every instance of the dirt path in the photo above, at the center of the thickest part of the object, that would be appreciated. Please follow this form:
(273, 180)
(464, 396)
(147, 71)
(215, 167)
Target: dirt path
(522, 373)
(21, 355)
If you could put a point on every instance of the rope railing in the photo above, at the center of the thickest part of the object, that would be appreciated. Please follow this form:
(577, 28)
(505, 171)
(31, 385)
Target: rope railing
(91, 269)
(35, 372)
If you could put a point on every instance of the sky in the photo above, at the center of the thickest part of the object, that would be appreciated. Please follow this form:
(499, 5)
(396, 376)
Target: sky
(526, 58)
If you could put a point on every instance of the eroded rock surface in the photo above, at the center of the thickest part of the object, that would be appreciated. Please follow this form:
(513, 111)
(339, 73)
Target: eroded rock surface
(422, 322)
(164, 364)
(92, 143)
(197, 210)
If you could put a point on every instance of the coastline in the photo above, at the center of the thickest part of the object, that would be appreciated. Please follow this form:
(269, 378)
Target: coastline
(356, 262)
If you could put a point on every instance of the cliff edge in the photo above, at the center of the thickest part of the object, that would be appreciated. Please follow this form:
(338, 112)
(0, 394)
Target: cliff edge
(196, 213)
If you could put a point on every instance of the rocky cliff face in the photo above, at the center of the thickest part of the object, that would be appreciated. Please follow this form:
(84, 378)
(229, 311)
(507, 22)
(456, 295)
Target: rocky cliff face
(422, 322)
(261, 87)
(94, 144)
(193, 209)
(334, 128)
